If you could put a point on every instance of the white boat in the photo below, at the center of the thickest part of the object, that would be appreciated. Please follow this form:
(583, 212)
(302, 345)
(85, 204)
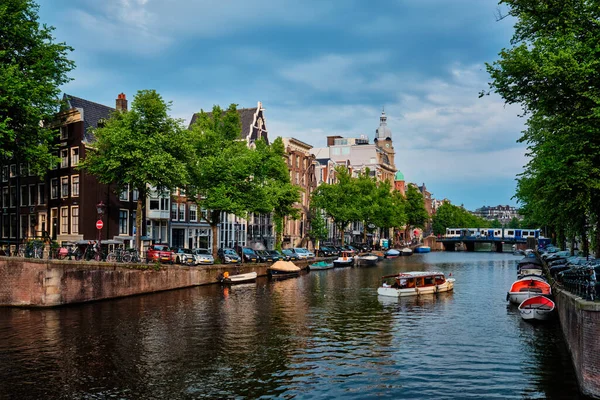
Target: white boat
(536, 308)
(407, 251)
(525, 272)
(238, 278)
(344, 260)
(526, 288)
(415, 283)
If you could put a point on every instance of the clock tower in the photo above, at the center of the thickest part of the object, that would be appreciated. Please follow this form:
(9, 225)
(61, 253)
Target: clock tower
(383, 139)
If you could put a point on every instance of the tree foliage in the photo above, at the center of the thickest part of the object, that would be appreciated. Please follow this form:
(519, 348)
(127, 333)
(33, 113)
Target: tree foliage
(140, 147)
(551, 71)
(450, 216)
(32, 69)
(416, 213)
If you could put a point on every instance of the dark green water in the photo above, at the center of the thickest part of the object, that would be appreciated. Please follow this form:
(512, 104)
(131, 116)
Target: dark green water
(325, 334)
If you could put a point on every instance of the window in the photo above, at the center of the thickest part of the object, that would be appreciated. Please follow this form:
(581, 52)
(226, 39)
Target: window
(5, 197)
(124, 196)
(297, 157)
(53, 164)
(372, 160)
(22, 169)
(5, 226)
(74, 220)
(64, 220)
(154, 204)
(29, 170)
(135, 194)
(41, 194)
(32, 197)
(297, 178)
(182, 212)
(64, 186)
(13, 196)
(23, 227)
(54, 188)
(193, 213)
(23, 199)
(74, 156)
(75, 185)
(204, 214)
(335, 151)
(5, 173)
(64, 158)
(122, 222)
(64, 133)
(345, 150)
(13, 225)
(164, 204)
(174, 211)
(13, 170)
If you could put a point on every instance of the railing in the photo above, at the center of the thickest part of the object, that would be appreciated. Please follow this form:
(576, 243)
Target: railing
(581, 281)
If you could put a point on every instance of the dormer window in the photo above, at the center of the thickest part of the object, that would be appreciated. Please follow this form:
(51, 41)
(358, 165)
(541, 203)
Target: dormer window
(64, 133)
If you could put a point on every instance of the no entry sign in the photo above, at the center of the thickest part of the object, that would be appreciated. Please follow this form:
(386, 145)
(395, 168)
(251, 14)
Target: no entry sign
(99, 224)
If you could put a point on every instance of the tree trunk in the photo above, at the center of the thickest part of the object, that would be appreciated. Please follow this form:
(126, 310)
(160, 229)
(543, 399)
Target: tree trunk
(278, 231)
(341, 228)
(138, 221)
(365, 232)
(215, 217)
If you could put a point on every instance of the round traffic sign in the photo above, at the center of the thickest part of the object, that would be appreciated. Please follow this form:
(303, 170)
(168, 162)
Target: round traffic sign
(99, 224)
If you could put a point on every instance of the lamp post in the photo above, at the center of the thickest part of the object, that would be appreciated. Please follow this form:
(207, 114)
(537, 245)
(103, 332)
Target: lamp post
(99, 223)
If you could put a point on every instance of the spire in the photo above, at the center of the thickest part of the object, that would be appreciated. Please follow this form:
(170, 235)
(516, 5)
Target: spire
(383, 131)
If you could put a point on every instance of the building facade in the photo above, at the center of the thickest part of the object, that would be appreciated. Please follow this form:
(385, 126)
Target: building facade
(62, 205)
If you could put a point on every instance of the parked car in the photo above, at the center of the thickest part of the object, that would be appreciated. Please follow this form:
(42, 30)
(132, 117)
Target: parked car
(303, 253)
(159, 253)
(290, 254)
(203, 257)
(326, 251)
(228, 256)
(183, 256)
(277, 255)
(264, 256)
(249, 255)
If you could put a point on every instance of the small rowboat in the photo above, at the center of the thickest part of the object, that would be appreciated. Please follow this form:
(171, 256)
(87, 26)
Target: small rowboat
(319, 266)
(368, 259)
(407, 251)
(536, 308)
(526, 288)
(422, 249)
(392, 253)
(238, 278)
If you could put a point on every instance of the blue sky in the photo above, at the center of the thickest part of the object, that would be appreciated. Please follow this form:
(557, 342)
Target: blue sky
(319, 68)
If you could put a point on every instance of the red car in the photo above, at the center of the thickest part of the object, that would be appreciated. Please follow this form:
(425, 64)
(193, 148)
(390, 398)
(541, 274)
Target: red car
(159, 253)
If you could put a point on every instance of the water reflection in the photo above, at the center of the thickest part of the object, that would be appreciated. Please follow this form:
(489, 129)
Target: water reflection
(324, 334)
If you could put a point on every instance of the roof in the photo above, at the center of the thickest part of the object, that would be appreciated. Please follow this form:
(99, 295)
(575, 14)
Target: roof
(247, 119)
(399, 176)
(91, 113)
(323, 161)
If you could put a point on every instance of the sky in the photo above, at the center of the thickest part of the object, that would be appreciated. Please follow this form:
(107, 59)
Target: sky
(320, 68)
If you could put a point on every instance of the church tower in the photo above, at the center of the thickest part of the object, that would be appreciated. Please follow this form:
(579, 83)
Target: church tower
(383, 138)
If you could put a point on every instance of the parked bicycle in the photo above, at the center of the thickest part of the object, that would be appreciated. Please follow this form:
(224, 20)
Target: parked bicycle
(71, 252)
(119, 255)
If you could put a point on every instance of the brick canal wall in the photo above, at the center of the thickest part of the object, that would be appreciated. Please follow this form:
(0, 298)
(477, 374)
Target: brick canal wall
(580, 324)
(49, 283)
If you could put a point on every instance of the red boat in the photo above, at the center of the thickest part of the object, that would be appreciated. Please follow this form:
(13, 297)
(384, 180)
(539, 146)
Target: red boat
(536, 307)
(526, 288)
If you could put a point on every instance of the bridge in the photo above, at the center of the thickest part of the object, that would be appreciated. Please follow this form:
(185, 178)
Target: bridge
(470, 241)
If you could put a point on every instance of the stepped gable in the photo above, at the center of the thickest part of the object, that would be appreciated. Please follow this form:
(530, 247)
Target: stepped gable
(91, 113)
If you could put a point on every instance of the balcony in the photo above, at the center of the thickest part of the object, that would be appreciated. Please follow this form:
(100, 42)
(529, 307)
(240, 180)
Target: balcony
(158, 214)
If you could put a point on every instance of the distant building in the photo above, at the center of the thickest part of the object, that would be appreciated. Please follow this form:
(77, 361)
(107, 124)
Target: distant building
(502, 213)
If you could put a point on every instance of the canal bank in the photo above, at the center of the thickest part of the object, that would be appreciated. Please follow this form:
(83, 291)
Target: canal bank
(26, 282)
(580, 323)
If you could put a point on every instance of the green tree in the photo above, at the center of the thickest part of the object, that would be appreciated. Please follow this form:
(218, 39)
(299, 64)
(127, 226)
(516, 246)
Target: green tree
(496, 223)
(281, 197)
(551, 72)
(514, 223)
(338, 200)
(139, 148)
(416, 214)
(223, 168)
(318, 227)
(32, 69)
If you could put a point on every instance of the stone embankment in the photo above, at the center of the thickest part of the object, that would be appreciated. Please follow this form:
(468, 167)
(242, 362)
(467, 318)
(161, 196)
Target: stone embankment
(48, 283)
(580, 324)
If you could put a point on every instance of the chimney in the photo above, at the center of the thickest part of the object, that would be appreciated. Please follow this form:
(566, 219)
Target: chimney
(121, 104)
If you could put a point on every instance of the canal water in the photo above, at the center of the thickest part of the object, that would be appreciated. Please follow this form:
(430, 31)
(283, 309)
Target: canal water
(324, 334)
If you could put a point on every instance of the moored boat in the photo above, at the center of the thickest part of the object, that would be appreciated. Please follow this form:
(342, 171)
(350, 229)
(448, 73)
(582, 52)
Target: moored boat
(392, 253)
(344, 260)
(367, 259)
(227, 279)
(529, 271)
(407, 251)
(422, 249)
(321, 265)
(283, 269)
(526, 288)
(536, 308)
(414, 284)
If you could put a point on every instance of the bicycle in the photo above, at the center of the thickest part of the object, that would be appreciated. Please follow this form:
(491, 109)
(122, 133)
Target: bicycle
(119, 255)
(70, 251)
